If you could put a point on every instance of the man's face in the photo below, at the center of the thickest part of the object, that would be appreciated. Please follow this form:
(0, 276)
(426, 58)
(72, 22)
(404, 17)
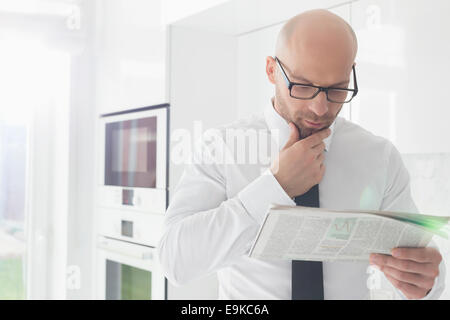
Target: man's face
(316, 114)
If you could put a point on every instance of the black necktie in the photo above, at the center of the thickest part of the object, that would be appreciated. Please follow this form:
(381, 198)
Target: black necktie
(307, 276)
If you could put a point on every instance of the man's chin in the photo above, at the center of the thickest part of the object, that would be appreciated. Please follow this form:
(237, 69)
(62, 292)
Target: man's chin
(306, 132)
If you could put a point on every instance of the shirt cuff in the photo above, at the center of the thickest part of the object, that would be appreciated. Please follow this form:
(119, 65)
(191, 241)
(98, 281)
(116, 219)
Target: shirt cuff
(261, 193)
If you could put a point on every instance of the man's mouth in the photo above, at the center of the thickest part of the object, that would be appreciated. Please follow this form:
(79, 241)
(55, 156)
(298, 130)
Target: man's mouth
(314, 125)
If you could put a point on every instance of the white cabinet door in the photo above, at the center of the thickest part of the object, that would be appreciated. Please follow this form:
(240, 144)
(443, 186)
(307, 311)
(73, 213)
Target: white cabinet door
(344, 12)
(253, 87)
(402, 68)
(130, 55)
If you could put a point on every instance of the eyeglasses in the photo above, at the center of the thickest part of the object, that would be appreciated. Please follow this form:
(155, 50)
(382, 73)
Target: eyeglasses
(307, 92)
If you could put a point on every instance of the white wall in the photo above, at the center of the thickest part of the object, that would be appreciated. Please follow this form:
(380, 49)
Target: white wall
(174, 10)
(430, 187)
(236, 17)
(402, 71)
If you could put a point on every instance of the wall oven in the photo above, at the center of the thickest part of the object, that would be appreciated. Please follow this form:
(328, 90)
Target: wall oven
(128, 271)
(131, 202)
(133, 163)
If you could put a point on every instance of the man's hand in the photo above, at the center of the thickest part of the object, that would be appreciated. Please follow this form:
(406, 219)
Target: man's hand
(411, 270)
(300, 163)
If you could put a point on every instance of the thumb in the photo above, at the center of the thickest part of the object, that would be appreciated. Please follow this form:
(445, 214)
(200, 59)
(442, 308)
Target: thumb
(293, 137)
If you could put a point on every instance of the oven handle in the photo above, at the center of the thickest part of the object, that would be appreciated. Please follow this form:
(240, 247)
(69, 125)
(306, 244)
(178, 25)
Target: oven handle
(127, 249)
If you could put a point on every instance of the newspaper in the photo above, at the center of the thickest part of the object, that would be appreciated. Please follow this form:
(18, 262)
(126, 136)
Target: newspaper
(303, 233)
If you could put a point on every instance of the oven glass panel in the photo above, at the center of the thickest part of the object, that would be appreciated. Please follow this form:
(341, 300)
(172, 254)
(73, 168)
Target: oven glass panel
(130, 153)
(124, 282)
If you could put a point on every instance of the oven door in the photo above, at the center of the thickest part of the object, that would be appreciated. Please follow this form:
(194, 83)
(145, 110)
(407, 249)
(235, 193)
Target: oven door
(127, 271)
(135, 149)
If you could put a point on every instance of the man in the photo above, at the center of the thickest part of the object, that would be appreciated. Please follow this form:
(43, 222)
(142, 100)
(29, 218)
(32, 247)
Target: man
(219, 206)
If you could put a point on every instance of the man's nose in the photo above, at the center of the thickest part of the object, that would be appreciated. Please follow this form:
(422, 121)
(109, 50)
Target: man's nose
(319, 105)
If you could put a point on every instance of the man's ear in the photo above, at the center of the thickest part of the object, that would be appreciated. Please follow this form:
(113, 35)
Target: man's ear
(270, 69)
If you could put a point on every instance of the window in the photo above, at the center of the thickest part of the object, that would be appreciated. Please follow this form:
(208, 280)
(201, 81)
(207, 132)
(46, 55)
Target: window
(13, 156)
(35, 74)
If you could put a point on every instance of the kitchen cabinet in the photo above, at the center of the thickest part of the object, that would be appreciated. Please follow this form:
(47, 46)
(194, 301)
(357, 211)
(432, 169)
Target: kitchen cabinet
(402, 69)
(130, 60)
(253, 88)
(344, 12)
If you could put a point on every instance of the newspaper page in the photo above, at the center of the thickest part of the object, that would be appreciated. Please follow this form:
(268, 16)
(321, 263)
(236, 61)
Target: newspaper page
(301, 233)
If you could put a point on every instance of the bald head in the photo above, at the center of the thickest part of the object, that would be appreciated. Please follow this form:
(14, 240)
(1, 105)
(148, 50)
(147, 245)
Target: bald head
(317, 35)
(317, 48)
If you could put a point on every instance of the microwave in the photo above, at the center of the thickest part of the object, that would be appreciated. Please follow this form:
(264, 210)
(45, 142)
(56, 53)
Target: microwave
(133, 163)
(132, 184)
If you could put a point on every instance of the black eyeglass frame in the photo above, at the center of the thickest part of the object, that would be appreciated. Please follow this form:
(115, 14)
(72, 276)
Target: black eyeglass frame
(290, 84)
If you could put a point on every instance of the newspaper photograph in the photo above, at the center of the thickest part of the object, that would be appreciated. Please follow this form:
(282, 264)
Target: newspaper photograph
(303, 233)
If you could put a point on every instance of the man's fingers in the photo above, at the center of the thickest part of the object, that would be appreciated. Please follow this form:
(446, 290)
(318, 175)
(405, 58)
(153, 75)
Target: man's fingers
(409, 290)
(322, 169)
(293, 137)
(428, 269)
(320, 147)
(409, 277)
(426, 254)
(320, 157)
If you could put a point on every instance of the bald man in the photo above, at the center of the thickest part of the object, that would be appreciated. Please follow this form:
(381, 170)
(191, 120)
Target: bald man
(316, 158)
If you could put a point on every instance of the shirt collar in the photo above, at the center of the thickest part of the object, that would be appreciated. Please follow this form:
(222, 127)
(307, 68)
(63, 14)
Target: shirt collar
(279, 127)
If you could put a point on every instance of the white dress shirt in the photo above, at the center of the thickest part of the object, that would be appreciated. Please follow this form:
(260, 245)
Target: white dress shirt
(218, 208)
